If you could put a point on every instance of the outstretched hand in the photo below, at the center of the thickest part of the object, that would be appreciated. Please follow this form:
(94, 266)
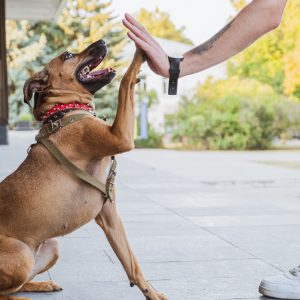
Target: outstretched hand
(156, 57)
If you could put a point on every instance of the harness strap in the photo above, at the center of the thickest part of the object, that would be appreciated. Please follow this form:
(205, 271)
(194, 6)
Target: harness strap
(52, 127)
(42, 137)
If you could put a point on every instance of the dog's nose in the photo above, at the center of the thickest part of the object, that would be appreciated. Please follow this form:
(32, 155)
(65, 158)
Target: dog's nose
(101, 42)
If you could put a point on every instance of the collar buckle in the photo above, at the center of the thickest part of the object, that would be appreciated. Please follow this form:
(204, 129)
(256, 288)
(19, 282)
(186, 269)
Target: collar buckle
(54, 126)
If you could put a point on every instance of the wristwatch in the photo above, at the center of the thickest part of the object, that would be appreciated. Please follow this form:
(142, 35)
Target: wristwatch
(174, 72)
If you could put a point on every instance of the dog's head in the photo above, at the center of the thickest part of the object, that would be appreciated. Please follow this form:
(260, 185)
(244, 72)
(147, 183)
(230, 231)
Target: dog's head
(70, 72)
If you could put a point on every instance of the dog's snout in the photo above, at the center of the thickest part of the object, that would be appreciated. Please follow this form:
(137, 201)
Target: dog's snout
(94, 48)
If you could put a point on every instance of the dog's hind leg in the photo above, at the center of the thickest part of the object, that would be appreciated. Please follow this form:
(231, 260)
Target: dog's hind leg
(112, 225)
(46, 257)
(13, 298)
(16, 264)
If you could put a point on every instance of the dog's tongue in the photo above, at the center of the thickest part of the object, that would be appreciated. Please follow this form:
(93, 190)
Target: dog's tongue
(101, 72)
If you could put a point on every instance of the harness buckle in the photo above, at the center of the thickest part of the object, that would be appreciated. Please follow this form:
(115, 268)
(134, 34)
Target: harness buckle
(54, 126)
(110, 184)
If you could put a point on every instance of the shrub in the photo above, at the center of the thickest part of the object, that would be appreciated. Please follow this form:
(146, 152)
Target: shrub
(234, 114)
(154, 140)
(25, 117)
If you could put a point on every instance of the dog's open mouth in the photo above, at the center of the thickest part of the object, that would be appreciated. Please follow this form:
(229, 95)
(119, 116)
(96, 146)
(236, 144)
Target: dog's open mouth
(86, 74)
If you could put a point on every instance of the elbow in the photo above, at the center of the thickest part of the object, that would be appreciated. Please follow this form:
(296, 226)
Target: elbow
(274, 22)
(125, 146)
(274, 11)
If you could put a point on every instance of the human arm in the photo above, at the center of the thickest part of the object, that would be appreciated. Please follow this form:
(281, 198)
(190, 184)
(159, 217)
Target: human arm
(256, 19)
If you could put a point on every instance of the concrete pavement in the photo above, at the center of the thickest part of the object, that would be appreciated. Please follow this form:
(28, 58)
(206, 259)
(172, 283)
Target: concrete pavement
(203, 225)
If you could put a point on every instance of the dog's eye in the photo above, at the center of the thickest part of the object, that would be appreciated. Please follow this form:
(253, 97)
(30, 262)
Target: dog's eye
(67, 55)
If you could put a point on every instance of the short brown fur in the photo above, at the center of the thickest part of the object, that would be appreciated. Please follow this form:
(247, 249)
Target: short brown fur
(41, 200)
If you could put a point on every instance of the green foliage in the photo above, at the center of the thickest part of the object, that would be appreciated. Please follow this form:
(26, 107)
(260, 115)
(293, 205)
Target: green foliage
(238, 4)
(159, 24)
(234, 114)
(275, 58)
(25, 117)
(31, 45)
(154, 140)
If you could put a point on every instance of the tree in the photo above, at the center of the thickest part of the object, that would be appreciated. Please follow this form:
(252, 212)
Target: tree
(275, 58)
(159, 24)
(234, 114)
(238, 4)
(32, 44)
(87, 22)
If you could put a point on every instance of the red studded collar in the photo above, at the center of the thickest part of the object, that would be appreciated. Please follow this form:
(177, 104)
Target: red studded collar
(60, 109)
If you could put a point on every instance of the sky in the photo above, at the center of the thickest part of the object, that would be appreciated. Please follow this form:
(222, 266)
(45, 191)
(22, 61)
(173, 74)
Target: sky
(202, 18)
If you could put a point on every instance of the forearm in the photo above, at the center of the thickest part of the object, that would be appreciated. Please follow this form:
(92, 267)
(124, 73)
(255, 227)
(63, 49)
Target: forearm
(256, 19)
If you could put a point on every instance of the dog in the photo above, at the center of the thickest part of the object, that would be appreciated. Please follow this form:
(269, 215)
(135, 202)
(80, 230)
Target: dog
(42, 200)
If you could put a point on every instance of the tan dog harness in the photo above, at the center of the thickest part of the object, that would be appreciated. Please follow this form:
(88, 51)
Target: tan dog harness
(43, 138)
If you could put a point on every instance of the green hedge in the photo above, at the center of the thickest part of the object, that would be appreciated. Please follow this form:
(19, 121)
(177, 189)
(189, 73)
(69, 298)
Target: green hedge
(234, 114)
(154, 140)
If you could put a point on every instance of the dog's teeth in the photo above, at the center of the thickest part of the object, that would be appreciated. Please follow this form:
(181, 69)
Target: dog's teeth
(85, 70)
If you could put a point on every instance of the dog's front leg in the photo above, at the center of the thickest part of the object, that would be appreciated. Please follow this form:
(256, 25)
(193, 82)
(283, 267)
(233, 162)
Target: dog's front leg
(112, 225)
(106, 140)
(123, 126)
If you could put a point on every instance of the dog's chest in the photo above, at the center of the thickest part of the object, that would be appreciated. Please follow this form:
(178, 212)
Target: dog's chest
(82, 203)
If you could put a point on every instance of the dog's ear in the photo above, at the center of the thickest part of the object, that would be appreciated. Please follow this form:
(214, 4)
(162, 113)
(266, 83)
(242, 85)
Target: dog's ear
(35, 84)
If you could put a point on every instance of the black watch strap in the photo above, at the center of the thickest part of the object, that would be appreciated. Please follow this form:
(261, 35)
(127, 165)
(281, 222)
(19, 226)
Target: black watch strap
(174, 72)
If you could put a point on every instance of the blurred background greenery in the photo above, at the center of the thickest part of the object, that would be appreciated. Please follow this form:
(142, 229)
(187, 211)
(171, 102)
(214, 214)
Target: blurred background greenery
(258, 102)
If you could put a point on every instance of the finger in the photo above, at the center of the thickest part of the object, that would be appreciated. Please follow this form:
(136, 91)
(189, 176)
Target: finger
(139, 30)
(134, 22)
(150, 52)
(139, 42)
(129, 21)
(142, 35)
(148, 49)
(135, 30)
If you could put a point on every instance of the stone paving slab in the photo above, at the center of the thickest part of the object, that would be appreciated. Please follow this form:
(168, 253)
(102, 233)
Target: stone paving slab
(203, 225)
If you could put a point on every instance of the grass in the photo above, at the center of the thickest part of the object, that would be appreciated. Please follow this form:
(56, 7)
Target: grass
(283, 164)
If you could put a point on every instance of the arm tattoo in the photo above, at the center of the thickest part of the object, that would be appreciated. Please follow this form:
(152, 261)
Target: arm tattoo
(209, 44)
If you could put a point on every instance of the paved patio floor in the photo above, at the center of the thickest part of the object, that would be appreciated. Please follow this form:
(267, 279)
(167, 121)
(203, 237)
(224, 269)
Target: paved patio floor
(203, 225)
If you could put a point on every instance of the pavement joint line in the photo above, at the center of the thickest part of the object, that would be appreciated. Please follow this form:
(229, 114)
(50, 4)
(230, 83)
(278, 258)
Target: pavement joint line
(207, 230)
(241, 249)
(109, 257)
(148, 193)
(199, 260)
(152, 280)
(204, 228)
(49, 275)
(234, 183)
(152, 285)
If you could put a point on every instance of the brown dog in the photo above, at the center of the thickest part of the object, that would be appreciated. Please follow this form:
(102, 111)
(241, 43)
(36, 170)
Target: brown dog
(35, 207)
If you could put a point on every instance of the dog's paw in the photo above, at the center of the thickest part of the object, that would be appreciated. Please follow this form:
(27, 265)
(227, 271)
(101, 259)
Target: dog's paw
(44, 286)
(53, 286)
(157, 296)
(140, 56)
(162, 297)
